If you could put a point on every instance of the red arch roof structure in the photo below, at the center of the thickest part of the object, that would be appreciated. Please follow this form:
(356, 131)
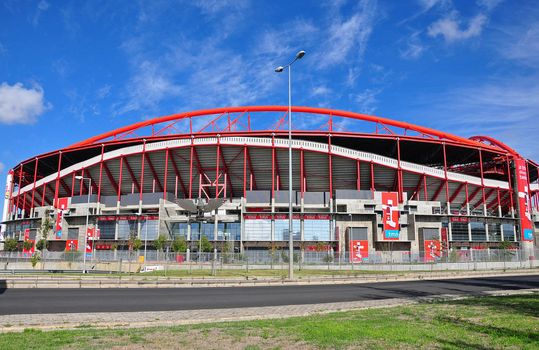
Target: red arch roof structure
(384, 123)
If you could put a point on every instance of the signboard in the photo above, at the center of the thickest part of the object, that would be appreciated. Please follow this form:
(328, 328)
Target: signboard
(72, 245)
(433, 250)
(390, 215)
(526, 224)
(30, 251)
(89, 246)
(61, 206)
(127, 217)
(359, 250)
(93, 233)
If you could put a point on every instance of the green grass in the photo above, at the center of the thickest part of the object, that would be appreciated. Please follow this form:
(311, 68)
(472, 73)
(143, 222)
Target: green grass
(276, 273)
(510, 322)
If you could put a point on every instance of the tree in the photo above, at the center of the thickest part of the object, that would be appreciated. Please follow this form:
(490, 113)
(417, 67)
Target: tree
(42, 244)
(10, 244)
(34, 260)
(205, 245)
(136, 243)
(179, 245)
(27, 245)
(160, 242)
(46, 227)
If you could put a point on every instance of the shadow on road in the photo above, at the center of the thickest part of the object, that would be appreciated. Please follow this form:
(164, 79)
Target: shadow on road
(3, 286)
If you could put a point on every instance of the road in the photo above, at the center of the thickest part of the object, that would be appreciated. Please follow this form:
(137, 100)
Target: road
(36, 301)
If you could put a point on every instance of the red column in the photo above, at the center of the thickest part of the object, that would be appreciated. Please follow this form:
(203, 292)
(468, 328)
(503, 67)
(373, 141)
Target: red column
(372, 179)
(446, 180)
(142, 169)
(73, 184)
(425, 190)
(191, 166)
(244, 171)
(217, 163)
(19, 189)
(166, 175)
(358, 169)
(482, 176)
(399, 172)
(330, 166)
(120, 178)
(44, 193)
(510, 184)
(100, 173)
(57, 177)
(302, 172)
(34, 184)
(272, 167)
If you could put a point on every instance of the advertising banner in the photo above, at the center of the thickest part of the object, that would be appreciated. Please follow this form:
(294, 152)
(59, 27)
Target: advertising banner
(359, 250)
(89, 246)
(30, 251)
(433, 250)
(524, 200)
(72, 245)
(93, 233)
(61, 206)
(390, 215)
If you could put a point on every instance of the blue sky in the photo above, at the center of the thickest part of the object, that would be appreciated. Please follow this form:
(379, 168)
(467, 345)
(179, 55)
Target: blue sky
(72, 69)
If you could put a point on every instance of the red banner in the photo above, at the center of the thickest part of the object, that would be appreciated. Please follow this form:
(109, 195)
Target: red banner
(60, 205)
(30, 251)
(359, 250)
(390, 213)
(93, 233)
(524, 200)
(89, 246)
(433, 250)
(72, 245)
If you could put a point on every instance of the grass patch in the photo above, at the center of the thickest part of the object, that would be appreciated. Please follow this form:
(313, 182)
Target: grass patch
(508, 322)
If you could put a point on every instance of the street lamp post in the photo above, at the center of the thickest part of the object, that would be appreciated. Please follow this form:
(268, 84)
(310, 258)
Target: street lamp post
(78, 177)
(279, 69)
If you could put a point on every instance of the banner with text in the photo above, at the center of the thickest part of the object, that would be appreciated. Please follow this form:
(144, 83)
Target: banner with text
(390, 215)
(524, 200)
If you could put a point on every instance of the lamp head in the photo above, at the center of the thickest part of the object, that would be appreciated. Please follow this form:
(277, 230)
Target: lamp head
(279, 69)
(300, 54)
(78, 177)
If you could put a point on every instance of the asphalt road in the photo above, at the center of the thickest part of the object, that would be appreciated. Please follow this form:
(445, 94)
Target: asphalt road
(34, 301)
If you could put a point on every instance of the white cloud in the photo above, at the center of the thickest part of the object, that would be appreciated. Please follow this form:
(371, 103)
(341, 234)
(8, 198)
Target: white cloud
(506, 109)
(321, 90)
(489, 4)
(19, 105)
(348, 38)
(523, 45)
(2, 167)
(414, 48)
(42, 6)
(450, 27)
(367, 101)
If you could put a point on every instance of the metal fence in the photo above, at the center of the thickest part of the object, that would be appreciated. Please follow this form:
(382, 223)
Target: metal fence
(279, 257)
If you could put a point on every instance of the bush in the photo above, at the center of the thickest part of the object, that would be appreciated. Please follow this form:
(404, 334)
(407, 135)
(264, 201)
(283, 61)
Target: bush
(27, 245)
(284, 256)
(328, 258)
(205, 245)
(35, 259)
(179, 245)
(10, 245)
(42, 244)
(160, 242)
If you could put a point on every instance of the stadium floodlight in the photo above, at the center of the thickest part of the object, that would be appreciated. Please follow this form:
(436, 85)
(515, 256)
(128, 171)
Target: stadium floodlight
(82, 178)
(279, 69)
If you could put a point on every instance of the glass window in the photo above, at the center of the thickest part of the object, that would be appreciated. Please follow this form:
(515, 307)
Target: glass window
(233, 231)
(478, 231)
(359, 233)
(127, 229)
(107, 229)
(258, 230)
(316, 230)
(179, 229)
(281, 230)
(508, 232)
(149, 229)
(459, 231)
(73, 233)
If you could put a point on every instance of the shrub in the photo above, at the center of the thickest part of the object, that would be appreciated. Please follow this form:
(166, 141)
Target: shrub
(10, 245)
(179, 245)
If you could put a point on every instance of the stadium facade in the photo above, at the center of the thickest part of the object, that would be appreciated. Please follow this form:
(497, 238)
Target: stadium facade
(361, 184)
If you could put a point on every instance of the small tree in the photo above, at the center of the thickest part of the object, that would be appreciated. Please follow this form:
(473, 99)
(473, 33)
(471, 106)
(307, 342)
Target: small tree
(42, 244)
(27, 245)
(136, 244)
(35, 259)
(10, 245)
(205, 245)
(179, 245)
(159, 244)
(46, 227)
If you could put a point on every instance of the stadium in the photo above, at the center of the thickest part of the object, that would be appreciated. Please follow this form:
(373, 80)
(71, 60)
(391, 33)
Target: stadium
(361, 184)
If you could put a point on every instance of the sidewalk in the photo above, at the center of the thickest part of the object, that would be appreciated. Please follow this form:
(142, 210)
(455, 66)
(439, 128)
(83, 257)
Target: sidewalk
(147, 281)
